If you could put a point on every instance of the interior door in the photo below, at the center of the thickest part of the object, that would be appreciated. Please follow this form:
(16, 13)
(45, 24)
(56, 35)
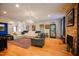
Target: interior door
(53, 30)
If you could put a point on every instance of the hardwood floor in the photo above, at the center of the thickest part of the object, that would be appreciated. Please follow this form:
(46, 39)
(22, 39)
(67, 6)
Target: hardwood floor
(53, 47)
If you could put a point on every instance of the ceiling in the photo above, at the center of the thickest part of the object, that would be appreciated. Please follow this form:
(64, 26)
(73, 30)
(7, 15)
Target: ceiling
(34, 11)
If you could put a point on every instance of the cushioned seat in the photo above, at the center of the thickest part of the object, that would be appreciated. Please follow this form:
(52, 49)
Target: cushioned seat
(40, 41)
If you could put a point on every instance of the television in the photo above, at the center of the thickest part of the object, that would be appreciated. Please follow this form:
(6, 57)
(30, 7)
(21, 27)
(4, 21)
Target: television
(2, 27)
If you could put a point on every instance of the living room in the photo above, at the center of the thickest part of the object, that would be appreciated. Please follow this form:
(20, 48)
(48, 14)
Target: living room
(38, 29)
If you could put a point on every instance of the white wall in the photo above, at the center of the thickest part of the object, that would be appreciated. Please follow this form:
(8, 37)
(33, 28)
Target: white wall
(58, 27)
(22, 26)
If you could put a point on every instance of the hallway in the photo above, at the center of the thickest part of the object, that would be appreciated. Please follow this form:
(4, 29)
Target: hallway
(52, 47)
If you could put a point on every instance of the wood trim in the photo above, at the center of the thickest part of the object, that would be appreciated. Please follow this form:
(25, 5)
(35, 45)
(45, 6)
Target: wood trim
(77, 46)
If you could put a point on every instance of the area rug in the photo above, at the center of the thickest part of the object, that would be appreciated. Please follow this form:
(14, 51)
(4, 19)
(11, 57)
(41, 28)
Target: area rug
(24, 43)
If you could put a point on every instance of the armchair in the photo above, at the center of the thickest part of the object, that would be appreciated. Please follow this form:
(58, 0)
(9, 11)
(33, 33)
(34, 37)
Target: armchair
(40, 41)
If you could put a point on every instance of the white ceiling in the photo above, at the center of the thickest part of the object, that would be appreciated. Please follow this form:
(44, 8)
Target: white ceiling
(39, 11)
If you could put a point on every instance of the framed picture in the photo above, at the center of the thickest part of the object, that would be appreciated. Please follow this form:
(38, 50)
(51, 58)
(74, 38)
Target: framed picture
(33, 27)
(70, 18)
(2, 27)
(47, 26)
(42, 26)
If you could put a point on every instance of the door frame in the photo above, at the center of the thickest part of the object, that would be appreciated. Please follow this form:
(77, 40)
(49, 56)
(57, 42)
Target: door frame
(50, 31)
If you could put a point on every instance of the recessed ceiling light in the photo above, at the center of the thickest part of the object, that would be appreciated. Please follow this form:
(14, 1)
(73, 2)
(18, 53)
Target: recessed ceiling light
(17, 5)
(49, 15)
(4, 12)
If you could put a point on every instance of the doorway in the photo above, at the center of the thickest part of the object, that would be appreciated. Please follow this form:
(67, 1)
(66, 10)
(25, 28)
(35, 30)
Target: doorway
(63, 29)
(53, 31)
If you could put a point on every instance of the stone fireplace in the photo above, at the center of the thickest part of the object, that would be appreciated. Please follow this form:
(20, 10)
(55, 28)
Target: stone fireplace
(71, 32)
(69, 43)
